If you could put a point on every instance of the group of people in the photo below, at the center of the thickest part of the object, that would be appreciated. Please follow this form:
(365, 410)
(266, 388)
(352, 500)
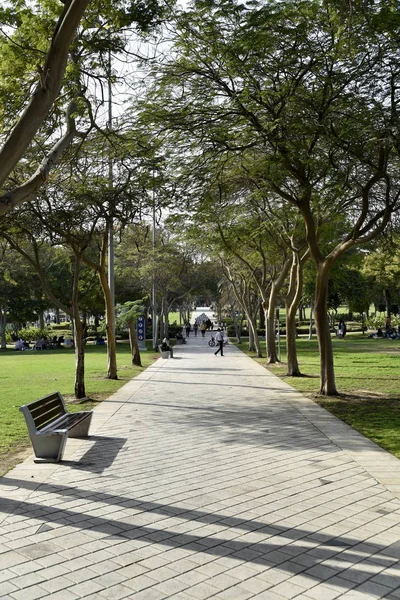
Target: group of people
(203, 325)
(43, 343)
(389, 333)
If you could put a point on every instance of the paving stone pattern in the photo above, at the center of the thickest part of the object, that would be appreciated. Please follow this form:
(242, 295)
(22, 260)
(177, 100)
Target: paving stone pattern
(205, 477)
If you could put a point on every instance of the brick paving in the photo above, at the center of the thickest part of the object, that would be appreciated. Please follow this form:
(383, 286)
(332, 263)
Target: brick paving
(205, 477)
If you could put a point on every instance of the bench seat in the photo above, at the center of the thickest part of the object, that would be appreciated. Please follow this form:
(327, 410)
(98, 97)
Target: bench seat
(50, 424)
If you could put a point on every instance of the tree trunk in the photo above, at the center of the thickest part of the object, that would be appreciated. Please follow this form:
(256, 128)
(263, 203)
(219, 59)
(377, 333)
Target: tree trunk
(388, 302)
(3, 323)
(79, 357)
(110, 333)
(310, 326)
(41, 320)
(253, 335)
(293, 369)
(327, 383)
(166, 321)
(276, 287)
(235, 325)
(292, 300)
(136, 360)
(262, 316)
(156, 332)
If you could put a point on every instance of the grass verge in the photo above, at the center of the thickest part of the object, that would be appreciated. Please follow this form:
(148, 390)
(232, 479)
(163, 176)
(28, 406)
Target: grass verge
(368, 380)
(27, 376)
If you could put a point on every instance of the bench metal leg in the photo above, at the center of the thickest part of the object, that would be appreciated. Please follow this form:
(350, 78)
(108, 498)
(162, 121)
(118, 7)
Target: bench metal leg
(82, 428)
(49, 447)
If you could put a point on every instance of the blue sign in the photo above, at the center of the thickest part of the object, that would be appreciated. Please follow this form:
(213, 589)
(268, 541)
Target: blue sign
(141, 331)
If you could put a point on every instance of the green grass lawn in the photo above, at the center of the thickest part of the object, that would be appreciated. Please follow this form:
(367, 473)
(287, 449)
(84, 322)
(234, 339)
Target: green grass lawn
(367, 378)
(27, 376)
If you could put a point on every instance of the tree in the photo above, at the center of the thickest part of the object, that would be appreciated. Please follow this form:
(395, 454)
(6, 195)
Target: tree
(44, 95)
(293, 83)
(73, 51)
(127, 315)
(382, 267)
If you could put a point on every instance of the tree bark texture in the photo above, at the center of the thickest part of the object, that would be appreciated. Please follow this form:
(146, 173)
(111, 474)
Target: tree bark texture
(79, 356)
(292, 301)
(78, 329)
(136, 360)
(3, 323)
(111, 341)
(327, 374)
(276, 287)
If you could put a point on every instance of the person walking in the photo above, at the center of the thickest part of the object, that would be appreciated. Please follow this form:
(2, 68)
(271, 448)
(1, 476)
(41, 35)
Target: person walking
(195, 328)
(219, 338)
(203, 329)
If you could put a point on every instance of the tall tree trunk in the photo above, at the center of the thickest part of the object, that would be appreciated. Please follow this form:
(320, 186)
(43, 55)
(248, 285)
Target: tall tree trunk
(156, 331)
(327, 384)
(41, 320)
(166, 320)
(79, 358)
(292, 301)
(3, 323)
(78, 328)
(253, 335)
(310, 325)
(110, 333)
(276, 287)
(252, 346)
(133, 341)
(235, 324)
(262, 316)
(293, 369)
(388, 302)
(270, 320)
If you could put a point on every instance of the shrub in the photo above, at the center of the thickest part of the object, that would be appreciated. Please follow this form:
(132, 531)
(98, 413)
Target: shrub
(33, 333)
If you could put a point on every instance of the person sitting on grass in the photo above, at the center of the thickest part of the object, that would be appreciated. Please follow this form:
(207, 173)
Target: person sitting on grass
(20, 345)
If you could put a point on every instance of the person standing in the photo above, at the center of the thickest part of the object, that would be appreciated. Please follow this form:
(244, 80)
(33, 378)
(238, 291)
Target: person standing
(219, 338)
(195, 328)
(342, 329)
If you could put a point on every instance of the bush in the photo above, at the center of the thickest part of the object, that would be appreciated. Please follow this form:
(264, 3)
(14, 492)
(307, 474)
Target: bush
(375, 322)
(56, 327)
(33, 333)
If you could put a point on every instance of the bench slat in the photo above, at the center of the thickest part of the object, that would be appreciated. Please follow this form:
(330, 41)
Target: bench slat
(67, 421)
(44, 401)
(46, 413)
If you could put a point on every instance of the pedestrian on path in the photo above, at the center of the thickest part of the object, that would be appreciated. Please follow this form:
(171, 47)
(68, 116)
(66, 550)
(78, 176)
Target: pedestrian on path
(195, 328)
(219, 338)
(203, 329)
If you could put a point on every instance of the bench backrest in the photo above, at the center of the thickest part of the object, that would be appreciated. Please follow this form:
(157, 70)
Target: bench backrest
(45, 410)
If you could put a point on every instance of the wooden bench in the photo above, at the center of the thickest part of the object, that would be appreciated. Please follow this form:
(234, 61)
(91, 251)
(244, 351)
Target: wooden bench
(49, 425)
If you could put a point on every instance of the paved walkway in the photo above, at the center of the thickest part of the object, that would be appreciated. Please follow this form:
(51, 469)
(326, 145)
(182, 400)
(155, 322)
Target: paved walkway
(205, 477)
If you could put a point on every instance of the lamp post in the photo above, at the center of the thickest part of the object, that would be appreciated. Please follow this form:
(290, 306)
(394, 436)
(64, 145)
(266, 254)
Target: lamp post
(154, 290)
(111, 278)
